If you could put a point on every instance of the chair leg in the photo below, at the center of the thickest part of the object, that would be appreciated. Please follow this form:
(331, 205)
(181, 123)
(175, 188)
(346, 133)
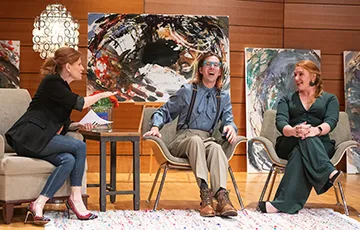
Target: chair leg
(266, 184)
(161, 187)
(154, 184)
(272, 184)
(236, 188)
(343, 198)
(8, 212)
(336, 195)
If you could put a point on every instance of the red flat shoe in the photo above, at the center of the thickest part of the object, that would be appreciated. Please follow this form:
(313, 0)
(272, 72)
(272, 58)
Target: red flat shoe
(71, 206)
(36, 220)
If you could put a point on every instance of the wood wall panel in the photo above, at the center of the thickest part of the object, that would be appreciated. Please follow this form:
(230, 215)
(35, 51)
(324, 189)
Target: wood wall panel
(238, 163)
(328, 41)
(30, 61)
(79, 9)
(322, 16)
(325, 2)
(249, 13)
(241, 37)
(331, 67)
(336, 87)
(237, 90)
(237, 64)
(21, 29)
(239, 112)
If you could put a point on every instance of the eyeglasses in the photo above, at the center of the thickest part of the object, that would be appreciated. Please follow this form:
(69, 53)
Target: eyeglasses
(212, 63)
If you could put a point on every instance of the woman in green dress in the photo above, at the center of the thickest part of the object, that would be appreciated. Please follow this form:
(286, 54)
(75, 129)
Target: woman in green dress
(304, 119)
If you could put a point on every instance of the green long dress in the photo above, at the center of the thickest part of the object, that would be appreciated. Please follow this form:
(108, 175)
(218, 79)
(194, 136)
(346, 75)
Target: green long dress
(309, 159)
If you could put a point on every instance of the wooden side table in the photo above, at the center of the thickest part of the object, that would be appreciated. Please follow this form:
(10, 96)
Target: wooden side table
(110, 189)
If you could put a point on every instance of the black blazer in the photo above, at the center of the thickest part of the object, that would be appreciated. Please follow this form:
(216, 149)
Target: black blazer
(48, 111)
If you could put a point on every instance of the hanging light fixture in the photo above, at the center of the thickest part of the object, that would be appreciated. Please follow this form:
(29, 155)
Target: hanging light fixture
(54, 28)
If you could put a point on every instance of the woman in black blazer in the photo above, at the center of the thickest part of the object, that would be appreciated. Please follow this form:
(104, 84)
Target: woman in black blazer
(40, 132)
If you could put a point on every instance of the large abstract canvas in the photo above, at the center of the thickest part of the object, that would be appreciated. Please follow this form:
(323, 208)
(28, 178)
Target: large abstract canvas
(9, 64)
(352, 105)
(146, 58)
(269, 76)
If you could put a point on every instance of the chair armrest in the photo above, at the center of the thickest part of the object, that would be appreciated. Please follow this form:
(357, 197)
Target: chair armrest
(2, 147)
(340, 150)
(164, 150)
(269, 148)
(229, 149)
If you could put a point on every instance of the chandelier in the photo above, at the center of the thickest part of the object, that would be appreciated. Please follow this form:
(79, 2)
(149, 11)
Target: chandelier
(54, 28)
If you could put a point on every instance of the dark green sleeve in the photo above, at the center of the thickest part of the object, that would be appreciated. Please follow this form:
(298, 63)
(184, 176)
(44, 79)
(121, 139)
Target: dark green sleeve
(282, 114)
(332, 112)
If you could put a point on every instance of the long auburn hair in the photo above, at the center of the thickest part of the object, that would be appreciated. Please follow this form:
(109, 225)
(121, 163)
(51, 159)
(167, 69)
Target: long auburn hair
(198, 76)
(313, 69)
(63, 55)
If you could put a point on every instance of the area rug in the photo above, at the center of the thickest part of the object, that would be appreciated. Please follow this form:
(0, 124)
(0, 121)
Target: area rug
(190, 219)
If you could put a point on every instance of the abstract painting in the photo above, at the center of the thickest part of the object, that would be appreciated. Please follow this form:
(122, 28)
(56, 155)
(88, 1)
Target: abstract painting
(9, 64)
(146, 58)
(268, 76)
(352, 105)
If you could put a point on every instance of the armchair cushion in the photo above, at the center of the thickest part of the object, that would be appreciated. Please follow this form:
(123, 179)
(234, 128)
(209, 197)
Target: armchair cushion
(14, 103)
(10, 166)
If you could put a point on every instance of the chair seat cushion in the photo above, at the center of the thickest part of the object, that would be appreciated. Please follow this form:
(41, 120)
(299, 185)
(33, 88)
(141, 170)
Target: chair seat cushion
(17, 165)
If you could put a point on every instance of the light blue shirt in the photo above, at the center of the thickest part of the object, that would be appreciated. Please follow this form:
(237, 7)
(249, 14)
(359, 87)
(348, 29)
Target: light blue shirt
(204, 110)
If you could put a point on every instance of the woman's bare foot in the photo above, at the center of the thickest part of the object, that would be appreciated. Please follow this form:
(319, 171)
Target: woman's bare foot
(79, 205)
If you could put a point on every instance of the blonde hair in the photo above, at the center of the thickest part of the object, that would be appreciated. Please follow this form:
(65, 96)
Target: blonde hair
(198, 76)
(313, 69)
(63, 55)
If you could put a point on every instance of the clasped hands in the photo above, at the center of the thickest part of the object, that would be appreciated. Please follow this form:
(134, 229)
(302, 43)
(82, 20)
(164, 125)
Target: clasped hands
(304, 131)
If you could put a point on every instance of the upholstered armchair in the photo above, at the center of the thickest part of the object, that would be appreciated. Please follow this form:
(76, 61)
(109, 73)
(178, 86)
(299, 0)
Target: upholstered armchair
(22, 178)
(167, 161)
(341, 134)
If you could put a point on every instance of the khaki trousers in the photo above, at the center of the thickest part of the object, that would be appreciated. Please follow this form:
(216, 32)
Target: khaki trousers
(204, 155)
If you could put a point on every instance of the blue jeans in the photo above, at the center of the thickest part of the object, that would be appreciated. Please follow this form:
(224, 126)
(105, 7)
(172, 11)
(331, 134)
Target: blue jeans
(68, 155)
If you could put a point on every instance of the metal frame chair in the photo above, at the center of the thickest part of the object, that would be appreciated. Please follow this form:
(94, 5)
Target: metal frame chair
(341, 134)
(168, 161)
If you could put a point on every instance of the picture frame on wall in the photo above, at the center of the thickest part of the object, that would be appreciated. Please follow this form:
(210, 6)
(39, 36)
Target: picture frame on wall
(148, 57)
(9, 64)
(352, 106)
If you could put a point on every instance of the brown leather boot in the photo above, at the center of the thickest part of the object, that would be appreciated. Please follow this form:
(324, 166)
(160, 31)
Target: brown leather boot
(206, 205)
(224, 206)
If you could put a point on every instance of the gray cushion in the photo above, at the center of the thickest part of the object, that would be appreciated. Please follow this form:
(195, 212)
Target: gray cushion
(13, 104)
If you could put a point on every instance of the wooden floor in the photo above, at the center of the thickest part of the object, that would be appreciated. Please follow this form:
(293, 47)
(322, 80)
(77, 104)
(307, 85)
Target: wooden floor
(181, 192)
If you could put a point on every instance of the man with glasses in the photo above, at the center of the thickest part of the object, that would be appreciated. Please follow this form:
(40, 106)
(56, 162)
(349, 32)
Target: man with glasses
(200, 105)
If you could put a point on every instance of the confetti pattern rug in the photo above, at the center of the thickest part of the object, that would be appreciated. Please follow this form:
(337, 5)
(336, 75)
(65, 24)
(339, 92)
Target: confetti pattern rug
(315, 219)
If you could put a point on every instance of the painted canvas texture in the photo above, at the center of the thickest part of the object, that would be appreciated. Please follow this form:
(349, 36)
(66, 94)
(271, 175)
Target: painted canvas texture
(268, 77)
(352, 105)
(9, 64)
(147, 58)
